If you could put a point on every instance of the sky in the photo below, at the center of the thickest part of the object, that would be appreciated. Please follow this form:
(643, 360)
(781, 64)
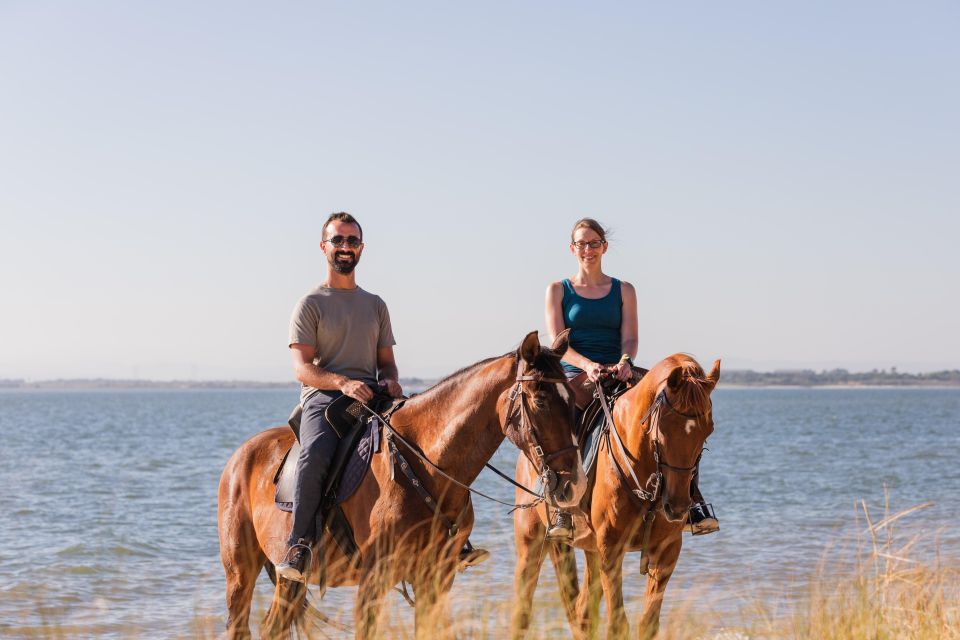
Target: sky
(780, 178)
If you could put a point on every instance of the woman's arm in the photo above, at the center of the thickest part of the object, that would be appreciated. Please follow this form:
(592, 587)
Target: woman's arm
(555, 324)
(629, 329)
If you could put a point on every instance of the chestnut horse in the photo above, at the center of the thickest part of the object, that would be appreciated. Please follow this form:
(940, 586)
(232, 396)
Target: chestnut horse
(457, 425)
(643, 475)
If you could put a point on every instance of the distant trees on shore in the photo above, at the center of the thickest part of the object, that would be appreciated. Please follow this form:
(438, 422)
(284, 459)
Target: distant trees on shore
(810, 378)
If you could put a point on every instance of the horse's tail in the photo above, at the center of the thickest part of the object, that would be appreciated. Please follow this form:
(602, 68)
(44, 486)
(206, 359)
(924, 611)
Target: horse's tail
(273, 621)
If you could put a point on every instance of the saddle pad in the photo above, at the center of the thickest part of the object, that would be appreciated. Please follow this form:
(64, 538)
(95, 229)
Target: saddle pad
(353, 473)
(590, 447)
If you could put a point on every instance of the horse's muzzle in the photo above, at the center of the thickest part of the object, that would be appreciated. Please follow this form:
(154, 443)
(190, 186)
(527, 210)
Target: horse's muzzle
(674, 514)
(570, 488)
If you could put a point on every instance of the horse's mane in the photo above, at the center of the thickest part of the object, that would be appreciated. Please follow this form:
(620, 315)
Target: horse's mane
(547, 361)
(455, 377)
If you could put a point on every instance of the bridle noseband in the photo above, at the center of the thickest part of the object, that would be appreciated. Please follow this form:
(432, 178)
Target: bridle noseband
(549, 479)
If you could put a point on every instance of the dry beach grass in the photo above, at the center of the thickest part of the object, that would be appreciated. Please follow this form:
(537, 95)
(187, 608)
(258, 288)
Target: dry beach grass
(878, 585)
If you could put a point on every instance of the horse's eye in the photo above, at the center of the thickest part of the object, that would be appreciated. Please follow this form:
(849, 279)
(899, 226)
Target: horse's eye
(540, 399)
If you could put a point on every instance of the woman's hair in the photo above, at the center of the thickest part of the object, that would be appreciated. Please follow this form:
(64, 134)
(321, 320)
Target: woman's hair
(589, 223)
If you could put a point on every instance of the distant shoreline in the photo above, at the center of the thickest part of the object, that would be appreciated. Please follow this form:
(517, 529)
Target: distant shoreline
(836, 379)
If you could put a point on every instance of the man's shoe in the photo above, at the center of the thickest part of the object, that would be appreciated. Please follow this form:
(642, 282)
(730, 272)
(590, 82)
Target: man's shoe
(562, 526)
(701, 520)
(292, 567)
(471, 556)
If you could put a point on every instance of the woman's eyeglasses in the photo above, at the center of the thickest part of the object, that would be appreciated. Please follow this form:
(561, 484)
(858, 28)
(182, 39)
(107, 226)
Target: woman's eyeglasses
(593, 244)
(350, 241)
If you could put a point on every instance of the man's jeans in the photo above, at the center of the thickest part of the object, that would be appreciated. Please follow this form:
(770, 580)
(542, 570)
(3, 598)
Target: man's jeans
(318, 443)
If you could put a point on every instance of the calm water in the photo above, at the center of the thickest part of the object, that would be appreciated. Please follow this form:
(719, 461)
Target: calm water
(108, 498)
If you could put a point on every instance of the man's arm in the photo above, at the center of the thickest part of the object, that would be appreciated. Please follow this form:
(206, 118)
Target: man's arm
(319, 378)
(387, 371)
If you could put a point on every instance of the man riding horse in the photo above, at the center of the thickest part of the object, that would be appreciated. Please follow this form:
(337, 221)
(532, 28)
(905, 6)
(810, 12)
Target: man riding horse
(341, 342)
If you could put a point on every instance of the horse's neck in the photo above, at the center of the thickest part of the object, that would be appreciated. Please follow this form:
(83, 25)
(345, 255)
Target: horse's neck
(457, 428)
(637, 438)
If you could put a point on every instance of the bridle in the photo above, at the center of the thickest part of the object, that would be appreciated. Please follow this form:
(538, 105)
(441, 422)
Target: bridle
(652, 419)
(549, 479)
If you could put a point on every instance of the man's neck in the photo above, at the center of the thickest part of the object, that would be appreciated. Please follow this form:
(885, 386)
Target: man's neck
(337, 280)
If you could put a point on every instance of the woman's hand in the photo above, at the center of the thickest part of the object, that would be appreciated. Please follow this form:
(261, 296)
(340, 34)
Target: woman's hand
(595, 371)
(621, 371)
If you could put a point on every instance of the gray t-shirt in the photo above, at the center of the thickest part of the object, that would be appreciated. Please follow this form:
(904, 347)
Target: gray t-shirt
(345, 327)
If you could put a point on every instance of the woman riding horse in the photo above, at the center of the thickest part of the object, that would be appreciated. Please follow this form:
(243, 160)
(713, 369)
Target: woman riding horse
(601, 313)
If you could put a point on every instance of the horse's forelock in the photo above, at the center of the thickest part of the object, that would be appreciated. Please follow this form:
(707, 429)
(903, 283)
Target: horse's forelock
(695, 388)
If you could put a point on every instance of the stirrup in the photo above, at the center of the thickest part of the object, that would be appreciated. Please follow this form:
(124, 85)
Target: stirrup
(561, 529)
(294, 565)
(471, 556)
(701, 520)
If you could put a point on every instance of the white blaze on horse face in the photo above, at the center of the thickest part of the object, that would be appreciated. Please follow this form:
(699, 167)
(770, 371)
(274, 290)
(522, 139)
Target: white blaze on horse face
(691, 423)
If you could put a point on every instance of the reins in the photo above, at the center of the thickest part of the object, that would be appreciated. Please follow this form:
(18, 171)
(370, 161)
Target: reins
(392, 436)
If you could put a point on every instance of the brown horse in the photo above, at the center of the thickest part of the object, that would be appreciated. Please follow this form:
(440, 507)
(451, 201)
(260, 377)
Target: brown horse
(457, 425)
(643, 475)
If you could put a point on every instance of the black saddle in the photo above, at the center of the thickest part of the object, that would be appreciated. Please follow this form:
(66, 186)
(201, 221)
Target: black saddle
(352, 423)
(359, 433)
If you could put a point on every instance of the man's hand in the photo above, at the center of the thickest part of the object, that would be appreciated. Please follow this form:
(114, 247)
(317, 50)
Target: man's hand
(392, 387)
(356, 390)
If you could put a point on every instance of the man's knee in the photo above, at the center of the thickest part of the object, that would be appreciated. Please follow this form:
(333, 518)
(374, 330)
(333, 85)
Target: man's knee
(321, 447)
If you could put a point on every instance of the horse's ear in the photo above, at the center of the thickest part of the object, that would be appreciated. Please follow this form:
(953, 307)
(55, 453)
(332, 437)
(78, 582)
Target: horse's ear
(530, 347)
(675, 378)
(714, 375)
(561, 342)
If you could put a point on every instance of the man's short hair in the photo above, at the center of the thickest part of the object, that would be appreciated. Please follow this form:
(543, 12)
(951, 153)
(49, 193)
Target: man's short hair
(342, 216)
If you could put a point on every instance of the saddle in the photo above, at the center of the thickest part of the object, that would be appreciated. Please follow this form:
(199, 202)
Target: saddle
(359, 434)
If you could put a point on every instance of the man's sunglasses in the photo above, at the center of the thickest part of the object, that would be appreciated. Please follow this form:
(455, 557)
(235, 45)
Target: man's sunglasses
(593, 244)
(350, 241)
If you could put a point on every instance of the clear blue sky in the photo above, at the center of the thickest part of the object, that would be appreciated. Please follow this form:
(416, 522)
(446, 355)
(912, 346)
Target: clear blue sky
(781, 177)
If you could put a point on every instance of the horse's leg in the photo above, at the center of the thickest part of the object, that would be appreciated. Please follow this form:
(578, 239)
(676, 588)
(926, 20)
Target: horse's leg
(285, 610)
(529, 534)
(588, 603)
(565, 566)
(431, 585)
(241, 566)
(662, 563)
(611, 575)
(375, 580)
(240, 552)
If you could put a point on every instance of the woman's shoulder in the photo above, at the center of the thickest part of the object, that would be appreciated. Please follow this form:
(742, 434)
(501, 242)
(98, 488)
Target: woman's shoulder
(556, 286)
(626, 289)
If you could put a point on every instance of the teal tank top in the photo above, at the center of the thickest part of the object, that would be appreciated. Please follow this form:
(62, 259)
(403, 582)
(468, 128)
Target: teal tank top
(594, 324)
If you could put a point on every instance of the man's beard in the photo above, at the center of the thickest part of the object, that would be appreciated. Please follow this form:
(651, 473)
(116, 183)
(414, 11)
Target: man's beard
(343, 266)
